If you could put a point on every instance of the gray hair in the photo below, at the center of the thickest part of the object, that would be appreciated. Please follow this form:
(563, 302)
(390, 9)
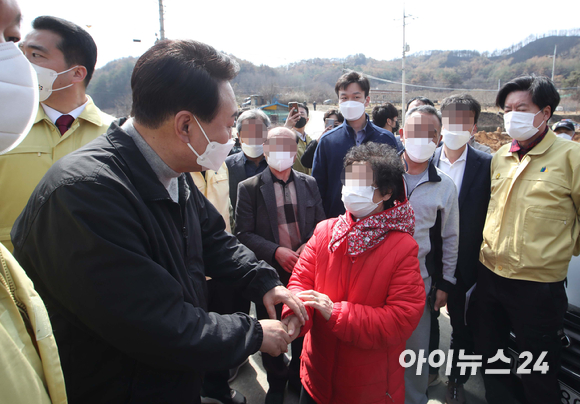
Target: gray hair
(253, 114)
(425, 110)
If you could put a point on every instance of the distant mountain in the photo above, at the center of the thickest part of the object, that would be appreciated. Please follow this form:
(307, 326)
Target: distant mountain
(544, 47)
(314, 79)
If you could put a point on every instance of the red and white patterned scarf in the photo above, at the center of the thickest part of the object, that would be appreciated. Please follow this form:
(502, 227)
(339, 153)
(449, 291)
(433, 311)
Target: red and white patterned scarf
(367, 233)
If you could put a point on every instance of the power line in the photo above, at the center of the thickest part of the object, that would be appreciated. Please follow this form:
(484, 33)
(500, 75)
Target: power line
(440, 88)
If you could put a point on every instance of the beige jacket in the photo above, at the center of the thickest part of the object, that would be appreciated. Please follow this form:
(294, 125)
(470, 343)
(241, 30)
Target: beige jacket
(30, 371)
(533, 218)
(216, 188)
(21, 169)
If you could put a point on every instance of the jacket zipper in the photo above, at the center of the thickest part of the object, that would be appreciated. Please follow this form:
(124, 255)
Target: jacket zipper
(9, 285)
(417, 186)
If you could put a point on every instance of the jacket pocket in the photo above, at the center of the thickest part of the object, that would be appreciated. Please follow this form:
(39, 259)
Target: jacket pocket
(546, 238)
(490, 230)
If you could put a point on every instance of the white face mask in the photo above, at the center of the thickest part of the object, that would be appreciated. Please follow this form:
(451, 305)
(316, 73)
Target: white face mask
(280, 160)
(18, 96)
(419, 149)
(456, 139)
(352, 110)
(564, 136)
(359, 200)
(253, 151)
(46, 78)
(520, 125)
(215, 153)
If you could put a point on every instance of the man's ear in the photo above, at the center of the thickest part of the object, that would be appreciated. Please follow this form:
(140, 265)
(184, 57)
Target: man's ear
(438, 140)
(547, 112)
(474, 129)
(79, 74)
(183, 124)
(367, 100)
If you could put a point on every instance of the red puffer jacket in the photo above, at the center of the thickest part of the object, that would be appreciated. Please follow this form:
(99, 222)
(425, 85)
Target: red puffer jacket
(378, 298)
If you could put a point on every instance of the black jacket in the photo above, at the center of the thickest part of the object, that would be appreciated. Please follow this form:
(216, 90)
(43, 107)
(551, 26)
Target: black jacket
(473, 200)
(257, 215)
(121, 268)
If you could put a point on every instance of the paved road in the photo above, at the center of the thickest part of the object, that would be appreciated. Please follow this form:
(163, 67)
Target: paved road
(251, 380)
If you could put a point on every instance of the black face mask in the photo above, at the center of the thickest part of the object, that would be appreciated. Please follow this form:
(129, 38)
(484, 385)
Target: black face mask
(396, 128)
(301, 123)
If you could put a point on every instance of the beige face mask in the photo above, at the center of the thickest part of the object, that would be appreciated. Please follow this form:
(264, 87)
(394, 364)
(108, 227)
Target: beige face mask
(18, 96)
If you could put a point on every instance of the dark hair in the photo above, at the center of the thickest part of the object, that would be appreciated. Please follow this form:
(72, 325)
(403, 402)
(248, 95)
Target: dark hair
(387, 168)
(353, 77)
(334, 111)
(541, 88)
(383, 112)
(463, 102)
(303, 105)
(77, 46)
(424, 100)
(179, 75)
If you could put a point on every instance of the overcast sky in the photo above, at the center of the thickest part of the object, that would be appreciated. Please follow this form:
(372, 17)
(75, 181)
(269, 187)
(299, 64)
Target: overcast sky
(280, 32)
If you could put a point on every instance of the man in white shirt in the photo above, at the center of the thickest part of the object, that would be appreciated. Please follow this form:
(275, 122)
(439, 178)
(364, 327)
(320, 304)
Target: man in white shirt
(469, 170)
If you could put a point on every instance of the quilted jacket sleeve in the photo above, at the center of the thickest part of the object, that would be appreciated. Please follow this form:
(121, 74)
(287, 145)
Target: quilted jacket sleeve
(392, 324)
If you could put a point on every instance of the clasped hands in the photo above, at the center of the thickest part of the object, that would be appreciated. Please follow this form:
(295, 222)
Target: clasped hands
(278, 334)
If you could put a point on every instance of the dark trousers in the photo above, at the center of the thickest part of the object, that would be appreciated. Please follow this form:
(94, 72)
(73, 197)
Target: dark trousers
(278, 372)
(223, 299)
(461, 334)
(305, 398)
(535, 311)
(434, 337)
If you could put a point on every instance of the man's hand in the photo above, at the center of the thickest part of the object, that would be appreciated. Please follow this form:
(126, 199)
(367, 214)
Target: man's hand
(440, 299)
(293, 117)
(280, 294)
(293, 325)
(328, 129)
(275, 338)
(300, 249)
(317, 300)
(286, 258)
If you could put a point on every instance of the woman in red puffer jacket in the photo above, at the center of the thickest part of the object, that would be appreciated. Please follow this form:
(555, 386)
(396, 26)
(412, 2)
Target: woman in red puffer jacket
(359, 278)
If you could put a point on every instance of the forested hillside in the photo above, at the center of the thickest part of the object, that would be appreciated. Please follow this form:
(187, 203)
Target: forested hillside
(314, 79)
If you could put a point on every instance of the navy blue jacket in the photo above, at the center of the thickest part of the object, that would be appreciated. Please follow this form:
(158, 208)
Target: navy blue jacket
(328, 166)
(473, 200)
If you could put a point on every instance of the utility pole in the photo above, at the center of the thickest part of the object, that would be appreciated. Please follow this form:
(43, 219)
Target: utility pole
(554, 62)
(161, 23)
(405, 50)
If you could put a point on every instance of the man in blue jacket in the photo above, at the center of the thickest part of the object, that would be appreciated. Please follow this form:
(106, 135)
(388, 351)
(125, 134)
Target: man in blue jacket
(352, 90)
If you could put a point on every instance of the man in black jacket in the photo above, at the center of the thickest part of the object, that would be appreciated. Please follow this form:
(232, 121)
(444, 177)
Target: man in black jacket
(469, 170)
(119, 241)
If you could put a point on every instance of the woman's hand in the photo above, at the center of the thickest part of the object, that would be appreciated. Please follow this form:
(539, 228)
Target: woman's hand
(318, 301)
(292, 323)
